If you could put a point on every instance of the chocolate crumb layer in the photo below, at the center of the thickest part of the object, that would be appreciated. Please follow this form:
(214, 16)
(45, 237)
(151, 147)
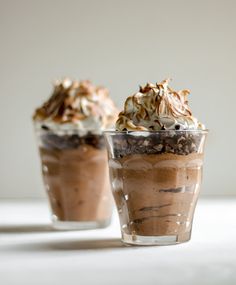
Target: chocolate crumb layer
(181, 143)
(54, 141)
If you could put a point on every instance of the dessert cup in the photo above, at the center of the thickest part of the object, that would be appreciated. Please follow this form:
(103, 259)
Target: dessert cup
(69, 127)
(156, 178)
(75, 175)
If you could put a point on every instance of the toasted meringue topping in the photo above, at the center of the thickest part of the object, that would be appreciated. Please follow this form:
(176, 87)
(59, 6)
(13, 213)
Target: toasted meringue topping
(79, 105)
(157, 107)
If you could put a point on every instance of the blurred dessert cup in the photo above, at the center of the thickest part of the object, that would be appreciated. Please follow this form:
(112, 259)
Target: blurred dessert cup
(69, 129)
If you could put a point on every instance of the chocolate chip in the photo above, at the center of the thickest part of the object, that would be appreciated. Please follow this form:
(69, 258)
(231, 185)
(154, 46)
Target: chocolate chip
(167, 148)
(146, 142)
(45, 128)
(186, 149)
(181, 139)
(158, 147)
(180, 146)
(130, 141)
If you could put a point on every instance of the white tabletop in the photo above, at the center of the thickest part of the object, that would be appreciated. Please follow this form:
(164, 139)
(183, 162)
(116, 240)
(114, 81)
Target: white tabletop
(31, 253)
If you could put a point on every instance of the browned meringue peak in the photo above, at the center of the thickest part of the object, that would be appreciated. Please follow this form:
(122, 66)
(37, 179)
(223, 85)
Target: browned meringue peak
(157, 107)
(75, 102)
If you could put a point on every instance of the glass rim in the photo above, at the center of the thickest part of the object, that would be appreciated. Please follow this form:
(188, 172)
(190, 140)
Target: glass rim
(206, 131)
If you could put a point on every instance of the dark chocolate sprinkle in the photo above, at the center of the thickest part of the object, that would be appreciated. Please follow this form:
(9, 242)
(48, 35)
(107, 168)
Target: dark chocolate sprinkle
(45, 128)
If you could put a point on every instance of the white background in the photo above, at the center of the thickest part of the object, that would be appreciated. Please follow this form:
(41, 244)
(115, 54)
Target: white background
(119, 44)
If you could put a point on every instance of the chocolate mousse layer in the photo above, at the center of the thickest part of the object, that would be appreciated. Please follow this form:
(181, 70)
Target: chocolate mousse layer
(156, 194)
(75, 173)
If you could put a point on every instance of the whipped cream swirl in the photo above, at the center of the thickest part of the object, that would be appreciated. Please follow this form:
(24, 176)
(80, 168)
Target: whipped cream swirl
(157, 107)
(77, 105)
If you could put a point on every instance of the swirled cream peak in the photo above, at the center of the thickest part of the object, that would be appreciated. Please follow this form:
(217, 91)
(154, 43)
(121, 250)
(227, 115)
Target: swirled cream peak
(79, 105)
(157, 107)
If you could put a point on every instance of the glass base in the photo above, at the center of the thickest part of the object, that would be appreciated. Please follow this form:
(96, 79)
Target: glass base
(155, 240)
(73, 226)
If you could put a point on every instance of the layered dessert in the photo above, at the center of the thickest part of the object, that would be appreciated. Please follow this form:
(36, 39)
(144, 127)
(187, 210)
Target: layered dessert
(155, 160)
(74, 162)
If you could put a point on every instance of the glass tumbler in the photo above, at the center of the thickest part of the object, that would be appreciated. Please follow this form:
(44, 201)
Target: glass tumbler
(75, 174)
(155, 178)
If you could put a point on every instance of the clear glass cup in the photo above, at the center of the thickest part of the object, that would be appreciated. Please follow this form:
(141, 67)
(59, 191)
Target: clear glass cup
(75, 174)
(155, 178)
